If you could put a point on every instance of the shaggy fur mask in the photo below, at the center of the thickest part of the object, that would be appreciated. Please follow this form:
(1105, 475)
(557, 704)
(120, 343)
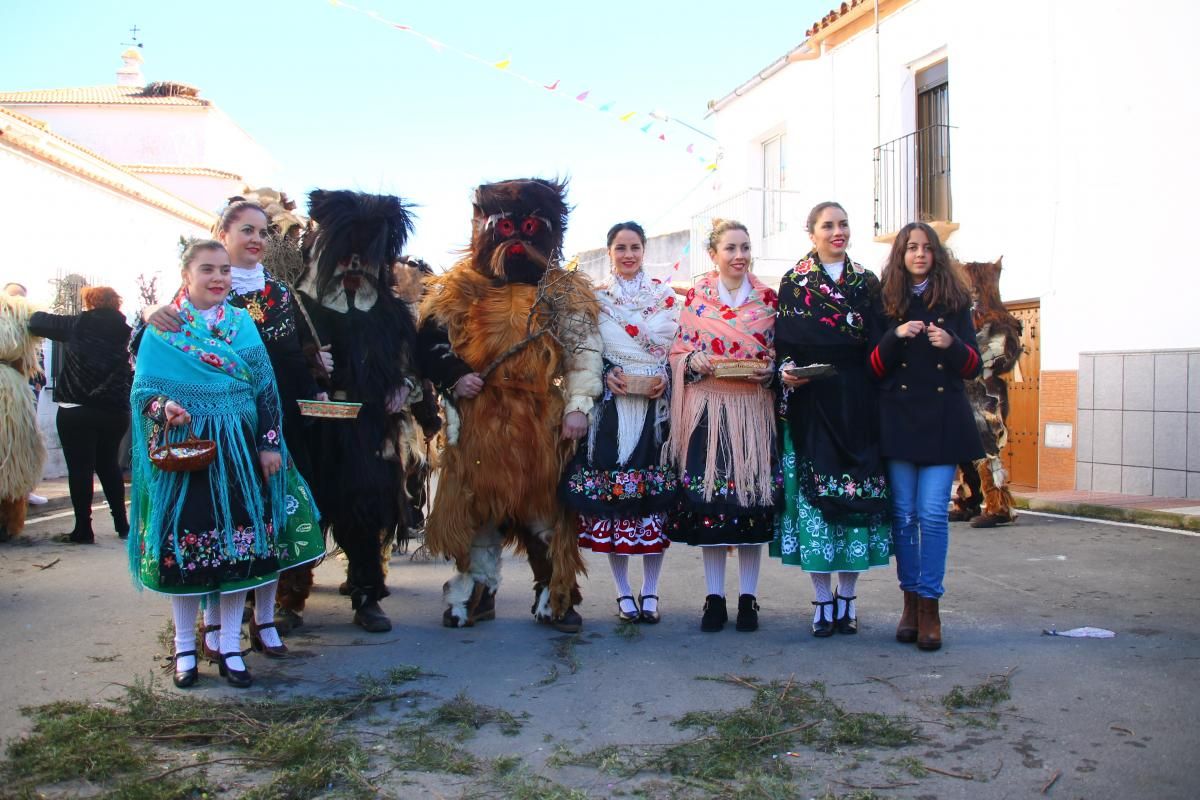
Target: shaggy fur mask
(518, 229)
(358, 238)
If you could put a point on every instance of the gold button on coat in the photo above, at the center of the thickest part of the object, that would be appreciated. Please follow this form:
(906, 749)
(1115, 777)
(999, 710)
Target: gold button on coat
(940, 366)
(940, 390)
(903, 388)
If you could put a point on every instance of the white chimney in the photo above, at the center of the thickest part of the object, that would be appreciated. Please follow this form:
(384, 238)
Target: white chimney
(130, 74)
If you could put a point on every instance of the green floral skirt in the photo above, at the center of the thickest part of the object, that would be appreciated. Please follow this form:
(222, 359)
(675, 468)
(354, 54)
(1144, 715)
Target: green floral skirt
(803, 538)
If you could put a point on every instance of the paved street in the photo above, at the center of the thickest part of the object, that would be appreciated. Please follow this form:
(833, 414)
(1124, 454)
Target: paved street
(1113, 718)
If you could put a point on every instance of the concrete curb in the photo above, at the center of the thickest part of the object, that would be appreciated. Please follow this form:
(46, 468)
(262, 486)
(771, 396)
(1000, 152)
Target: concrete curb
(1139, 516)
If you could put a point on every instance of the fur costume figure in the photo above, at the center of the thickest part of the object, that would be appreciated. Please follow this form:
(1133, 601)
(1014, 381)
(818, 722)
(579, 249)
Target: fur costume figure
(348, 292)
(512, 340)
(22, 453)
(982, 495)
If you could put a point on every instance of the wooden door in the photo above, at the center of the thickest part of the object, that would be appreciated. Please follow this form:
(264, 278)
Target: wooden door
(1021, 455)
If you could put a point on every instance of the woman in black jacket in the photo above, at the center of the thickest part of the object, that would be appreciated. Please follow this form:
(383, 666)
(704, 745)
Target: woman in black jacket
(92, 392)
(924, 349)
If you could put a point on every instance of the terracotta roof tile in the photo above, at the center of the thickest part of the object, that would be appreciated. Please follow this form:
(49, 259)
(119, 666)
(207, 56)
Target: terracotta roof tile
(101, 95)
(832, 16)
(167, 169)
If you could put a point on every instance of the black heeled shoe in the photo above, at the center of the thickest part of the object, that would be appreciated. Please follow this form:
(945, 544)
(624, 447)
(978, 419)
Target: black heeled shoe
(715, 614)
(258, 645)
(213, 656)
(747, 618)
(649, 617)
(844, 623)
(186, 677)
(823, 627)
(238, 678)
(627, 616)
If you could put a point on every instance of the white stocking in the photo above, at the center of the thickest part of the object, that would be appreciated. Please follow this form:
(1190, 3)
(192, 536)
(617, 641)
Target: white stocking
(183, 609)
(231, 629)
(821, 585)
(212, 619)
(846, 583)
(749, 560)
(620, 571)
(264, 612)
(714, 569)
(652, 565)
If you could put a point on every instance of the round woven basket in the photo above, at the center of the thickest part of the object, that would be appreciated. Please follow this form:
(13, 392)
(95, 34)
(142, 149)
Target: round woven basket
(189, 455)
(640, 384)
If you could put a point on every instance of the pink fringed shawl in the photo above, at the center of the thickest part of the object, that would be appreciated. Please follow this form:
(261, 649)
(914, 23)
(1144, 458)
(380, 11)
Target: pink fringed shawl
(744, 440)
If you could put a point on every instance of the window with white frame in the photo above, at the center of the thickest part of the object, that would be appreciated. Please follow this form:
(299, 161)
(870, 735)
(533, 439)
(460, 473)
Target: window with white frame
(773, 183)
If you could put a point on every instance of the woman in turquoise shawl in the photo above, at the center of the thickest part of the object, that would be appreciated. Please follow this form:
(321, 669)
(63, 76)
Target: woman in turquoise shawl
(232, 526)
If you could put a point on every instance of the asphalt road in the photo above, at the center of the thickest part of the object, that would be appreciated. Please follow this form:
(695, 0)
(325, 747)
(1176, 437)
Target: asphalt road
(1113, 718)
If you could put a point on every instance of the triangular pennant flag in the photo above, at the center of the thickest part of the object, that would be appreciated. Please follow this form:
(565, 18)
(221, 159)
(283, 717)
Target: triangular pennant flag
(675, 266)
(629, 116)
(552, 86)
(582, 97)
(711, 166)
(401, 27)
(687, 248)
(646, 127)
(690, 148)
(502, 64)
(606, 106)
(662, 137)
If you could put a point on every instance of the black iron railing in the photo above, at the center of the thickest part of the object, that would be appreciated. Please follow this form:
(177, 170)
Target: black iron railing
(912, 179)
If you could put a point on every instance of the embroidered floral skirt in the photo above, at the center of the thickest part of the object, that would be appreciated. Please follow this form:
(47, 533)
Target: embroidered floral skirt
(718, 520)
(209, 559)
(622, 508)
(805, 539)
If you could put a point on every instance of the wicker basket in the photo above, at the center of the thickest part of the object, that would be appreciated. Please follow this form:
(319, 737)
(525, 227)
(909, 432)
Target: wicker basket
(190, 455)
(641, 385)
(736, 367)
(328, 409)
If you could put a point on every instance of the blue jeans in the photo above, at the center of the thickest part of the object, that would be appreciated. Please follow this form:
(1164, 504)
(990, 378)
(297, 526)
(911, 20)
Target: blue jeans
(920, 524)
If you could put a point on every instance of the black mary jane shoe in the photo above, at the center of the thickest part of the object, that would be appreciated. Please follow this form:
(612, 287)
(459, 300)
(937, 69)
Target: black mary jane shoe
(747, 618)
(186, 677)
(238, 678)
(843, 622)
(648, 617)
(823, 627)
(715, 614)
(628, 616)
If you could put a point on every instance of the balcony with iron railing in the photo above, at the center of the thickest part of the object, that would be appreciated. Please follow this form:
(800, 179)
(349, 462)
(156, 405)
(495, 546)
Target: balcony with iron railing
(912, 182)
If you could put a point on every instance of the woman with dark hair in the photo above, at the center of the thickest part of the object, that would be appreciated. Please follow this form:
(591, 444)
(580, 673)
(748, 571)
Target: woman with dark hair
(834, 484)
(924, 349)
(722, 425)
(243, 229)
(92, 392)
(617, 482)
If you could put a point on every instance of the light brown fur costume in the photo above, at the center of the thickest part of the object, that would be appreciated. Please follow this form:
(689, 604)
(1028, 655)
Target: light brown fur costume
(22, 453)
(506, 464)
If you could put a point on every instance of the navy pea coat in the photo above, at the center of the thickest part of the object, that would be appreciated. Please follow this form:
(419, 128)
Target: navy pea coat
(925, 416)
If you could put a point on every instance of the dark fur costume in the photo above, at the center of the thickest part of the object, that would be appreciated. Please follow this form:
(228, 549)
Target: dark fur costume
(983, 485)
(505, 454)
(348, 293)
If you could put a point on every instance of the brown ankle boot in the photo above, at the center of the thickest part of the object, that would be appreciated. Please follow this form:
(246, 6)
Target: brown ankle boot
(929, 624)
(906, 631)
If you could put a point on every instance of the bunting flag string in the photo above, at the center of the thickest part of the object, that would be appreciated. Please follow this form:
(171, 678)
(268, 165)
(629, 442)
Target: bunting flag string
(504, 65)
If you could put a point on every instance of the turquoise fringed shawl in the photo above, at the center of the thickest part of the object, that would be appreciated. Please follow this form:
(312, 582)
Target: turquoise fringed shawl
(223, 377)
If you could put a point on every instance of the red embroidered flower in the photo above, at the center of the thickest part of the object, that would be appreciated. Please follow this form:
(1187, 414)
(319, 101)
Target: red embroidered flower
(771, 299)
(733, 348)
(691, 295)
(718, 347)
(758, 337)
(670, 302)
(211, 360)
(728, 313)
(632, 330)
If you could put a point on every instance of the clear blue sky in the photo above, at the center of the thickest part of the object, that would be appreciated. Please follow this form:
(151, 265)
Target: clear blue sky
(342, 101)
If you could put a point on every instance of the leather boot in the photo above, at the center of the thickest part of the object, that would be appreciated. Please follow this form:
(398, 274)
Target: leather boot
(906, 631)
(929, 624)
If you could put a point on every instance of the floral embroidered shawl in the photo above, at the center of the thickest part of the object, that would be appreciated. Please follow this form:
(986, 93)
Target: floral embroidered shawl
(744, 437)
(221, 374)
(638, 322)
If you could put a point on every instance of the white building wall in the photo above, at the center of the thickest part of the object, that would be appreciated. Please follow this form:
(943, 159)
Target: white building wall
(59, 223)
(1072, 154)
(203, 191)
